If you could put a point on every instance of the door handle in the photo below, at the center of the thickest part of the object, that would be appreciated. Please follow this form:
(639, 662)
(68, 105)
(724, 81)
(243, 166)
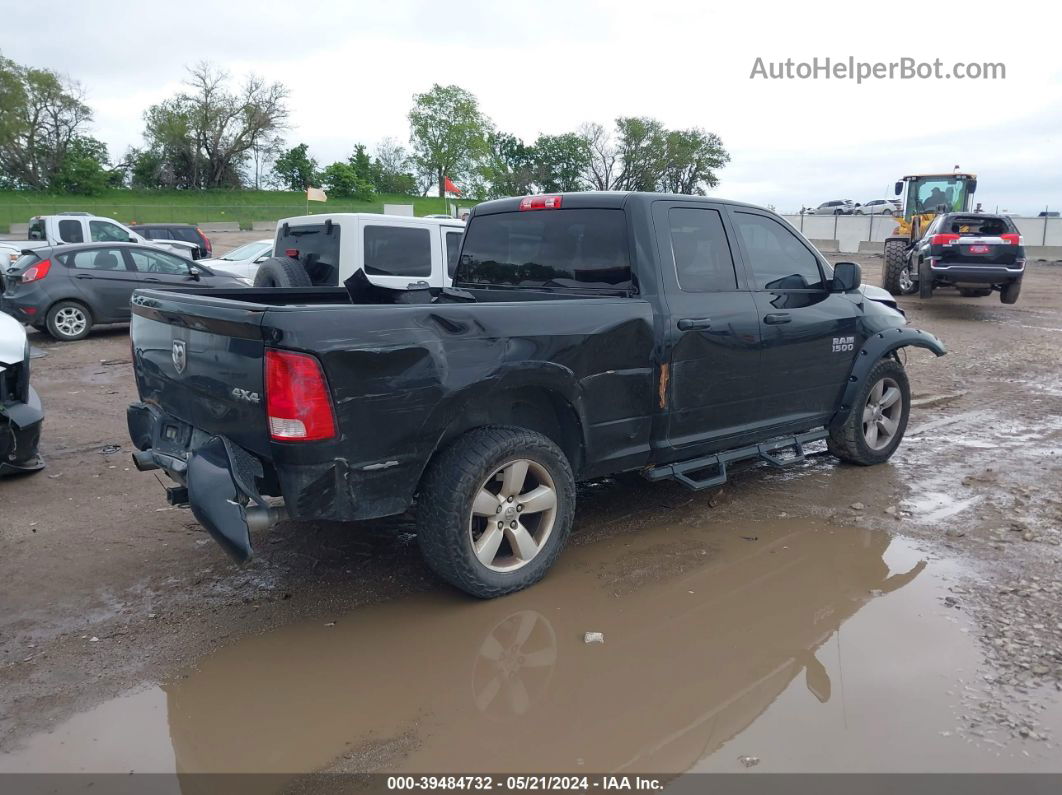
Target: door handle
(775, 318)
(689, 323)
(150, 279)
(84, 276)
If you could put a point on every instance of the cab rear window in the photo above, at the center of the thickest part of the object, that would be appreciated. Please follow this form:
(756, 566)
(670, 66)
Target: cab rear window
(582, 249)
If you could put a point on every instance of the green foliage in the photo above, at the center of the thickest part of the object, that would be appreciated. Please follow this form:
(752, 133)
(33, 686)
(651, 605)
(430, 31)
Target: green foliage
(341, 180)
(561, 163)
(392, 170)
(295, 169)
(41, 116)
(448, 133)
(84, 169)
(507, 166)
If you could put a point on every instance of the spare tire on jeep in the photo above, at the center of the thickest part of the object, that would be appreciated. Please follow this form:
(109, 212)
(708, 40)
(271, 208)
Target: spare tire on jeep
(282, 272)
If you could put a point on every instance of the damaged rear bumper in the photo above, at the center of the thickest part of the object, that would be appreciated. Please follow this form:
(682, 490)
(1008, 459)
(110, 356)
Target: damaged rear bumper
(20, 433)
(218, 479)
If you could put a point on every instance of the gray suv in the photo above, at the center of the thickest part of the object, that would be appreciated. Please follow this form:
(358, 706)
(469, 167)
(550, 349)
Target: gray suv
(65, 290)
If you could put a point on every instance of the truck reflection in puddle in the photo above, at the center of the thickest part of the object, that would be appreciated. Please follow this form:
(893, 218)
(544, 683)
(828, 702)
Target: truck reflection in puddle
(703, 628)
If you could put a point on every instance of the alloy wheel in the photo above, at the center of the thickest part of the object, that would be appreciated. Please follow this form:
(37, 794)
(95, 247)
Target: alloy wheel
(512, 515)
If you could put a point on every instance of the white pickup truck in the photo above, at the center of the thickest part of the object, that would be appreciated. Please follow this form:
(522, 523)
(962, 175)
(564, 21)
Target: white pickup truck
(392, 250)
(64, 228)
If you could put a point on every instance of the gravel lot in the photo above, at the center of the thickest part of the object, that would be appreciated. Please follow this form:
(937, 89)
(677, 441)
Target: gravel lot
(106, 589)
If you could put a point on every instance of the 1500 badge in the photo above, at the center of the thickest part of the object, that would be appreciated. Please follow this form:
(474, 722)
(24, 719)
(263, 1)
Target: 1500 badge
(843, 344)
(245, 394)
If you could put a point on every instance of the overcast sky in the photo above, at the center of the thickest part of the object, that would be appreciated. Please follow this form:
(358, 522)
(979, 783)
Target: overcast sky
(541, 66)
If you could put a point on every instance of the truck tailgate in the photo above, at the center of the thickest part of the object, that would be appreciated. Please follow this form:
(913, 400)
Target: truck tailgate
(200, 360)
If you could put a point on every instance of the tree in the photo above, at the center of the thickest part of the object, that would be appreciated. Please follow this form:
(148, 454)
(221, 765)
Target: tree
(603, 167)
(507, 166)
(295, 169)
(642, 149)
(41, 115)
(206, 134)
(392, 171)
(361, 163)
(448, 133)
(341, 180)
(561, 162)
(85, 169)
(691, 160)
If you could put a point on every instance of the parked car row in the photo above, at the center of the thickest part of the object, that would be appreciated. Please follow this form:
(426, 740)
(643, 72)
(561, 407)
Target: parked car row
(849, 207)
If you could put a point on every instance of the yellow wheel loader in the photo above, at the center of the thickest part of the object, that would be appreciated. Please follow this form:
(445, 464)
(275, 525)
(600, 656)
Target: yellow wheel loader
(924, 197)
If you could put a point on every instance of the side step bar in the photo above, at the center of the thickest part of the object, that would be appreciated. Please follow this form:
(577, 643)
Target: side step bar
(685, 472)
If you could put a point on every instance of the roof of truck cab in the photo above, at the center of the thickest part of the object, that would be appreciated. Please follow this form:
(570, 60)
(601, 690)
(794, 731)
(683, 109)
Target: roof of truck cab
(320, 218)
(600, 200)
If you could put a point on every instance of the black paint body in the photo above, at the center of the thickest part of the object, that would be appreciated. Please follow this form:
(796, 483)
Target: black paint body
(621, 381)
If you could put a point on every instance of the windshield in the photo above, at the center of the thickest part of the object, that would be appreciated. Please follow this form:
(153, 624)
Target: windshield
(929, 193)
(582, 248)
(249, 251)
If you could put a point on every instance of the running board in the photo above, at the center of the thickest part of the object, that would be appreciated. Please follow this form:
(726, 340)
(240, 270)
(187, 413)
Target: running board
(684, 471)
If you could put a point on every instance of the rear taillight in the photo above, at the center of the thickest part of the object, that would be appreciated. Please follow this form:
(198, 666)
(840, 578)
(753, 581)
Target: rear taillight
(35, 273)
(207, 245)
(943, 240)
(1012, 240)
(540, 202)
(297, 400)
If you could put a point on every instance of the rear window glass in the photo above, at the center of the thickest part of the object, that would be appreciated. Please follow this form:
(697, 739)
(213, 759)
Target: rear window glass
(584, 249)
(71, 232)
(316, 246)
(37, 229)
(979, 225)
(185, 233)
(397, 251)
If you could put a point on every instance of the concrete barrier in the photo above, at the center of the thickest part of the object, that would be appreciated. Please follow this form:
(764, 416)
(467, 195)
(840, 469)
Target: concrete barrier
(18, 229)
(263, 226)
(871, 247)
(219, 226)
(1044, 252)
(831, 246)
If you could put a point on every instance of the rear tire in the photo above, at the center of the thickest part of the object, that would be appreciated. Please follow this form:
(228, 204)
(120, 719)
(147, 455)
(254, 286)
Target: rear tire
(975, 292)
(895, 276)
(1009, 294)
(471, 496)
(282, 272)
(859, 439)
(925, 280)
(69, 321)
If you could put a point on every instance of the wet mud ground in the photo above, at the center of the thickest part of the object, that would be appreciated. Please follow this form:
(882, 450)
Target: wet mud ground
(906, 617)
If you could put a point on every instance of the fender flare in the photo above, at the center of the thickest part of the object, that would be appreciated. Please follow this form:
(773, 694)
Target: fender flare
(874, 349)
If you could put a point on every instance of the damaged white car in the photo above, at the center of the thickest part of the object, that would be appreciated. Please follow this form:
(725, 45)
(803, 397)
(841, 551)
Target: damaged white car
(21, 415)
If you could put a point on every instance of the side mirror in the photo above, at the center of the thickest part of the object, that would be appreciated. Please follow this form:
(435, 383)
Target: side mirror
(195, 273)
(847, 276)
(899, 187)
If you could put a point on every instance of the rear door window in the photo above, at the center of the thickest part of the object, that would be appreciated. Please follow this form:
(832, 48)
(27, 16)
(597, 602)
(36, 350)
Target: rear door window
(703, 261)
(548, 249)
(316, 246)
(97, 259)
(104, 231)
(71, 231)
(397, 251)
(156, 233)
(38, 230)
(185, 233)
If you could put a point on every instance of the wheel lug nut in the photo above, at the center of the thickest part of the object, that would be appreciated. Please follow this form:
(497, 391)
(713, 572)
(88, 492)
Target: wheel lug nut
(512, 525)
(510, 499)
(501, 525)
(519, 508)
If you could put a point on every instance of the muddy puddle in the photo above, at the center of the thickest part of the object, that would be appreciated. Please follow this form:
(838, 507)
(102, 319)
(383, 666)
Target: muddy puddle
(806, 647)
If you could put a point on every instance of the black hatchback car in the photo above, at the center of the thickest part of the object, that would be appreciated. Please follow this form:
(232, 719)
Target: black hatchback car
(185, 232)
(65, 290)
(974, 252)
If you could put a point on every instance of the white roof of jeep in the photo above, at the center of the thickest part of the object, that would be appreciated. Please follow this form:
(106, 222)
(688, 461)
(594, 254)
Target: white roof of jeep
(340, 218)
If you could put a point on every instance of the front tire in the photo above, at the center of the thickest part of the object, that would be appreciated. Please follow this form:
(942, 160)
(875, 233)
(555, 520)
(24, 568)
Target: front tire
(876, 423)
(1009, 294)
(69, 321)
(495, 509)
(895, 276)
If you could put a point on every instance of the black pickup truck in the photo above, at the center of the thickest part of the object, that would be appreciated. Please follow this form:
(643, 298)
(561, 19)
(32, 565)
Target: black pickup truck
(586, 334)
